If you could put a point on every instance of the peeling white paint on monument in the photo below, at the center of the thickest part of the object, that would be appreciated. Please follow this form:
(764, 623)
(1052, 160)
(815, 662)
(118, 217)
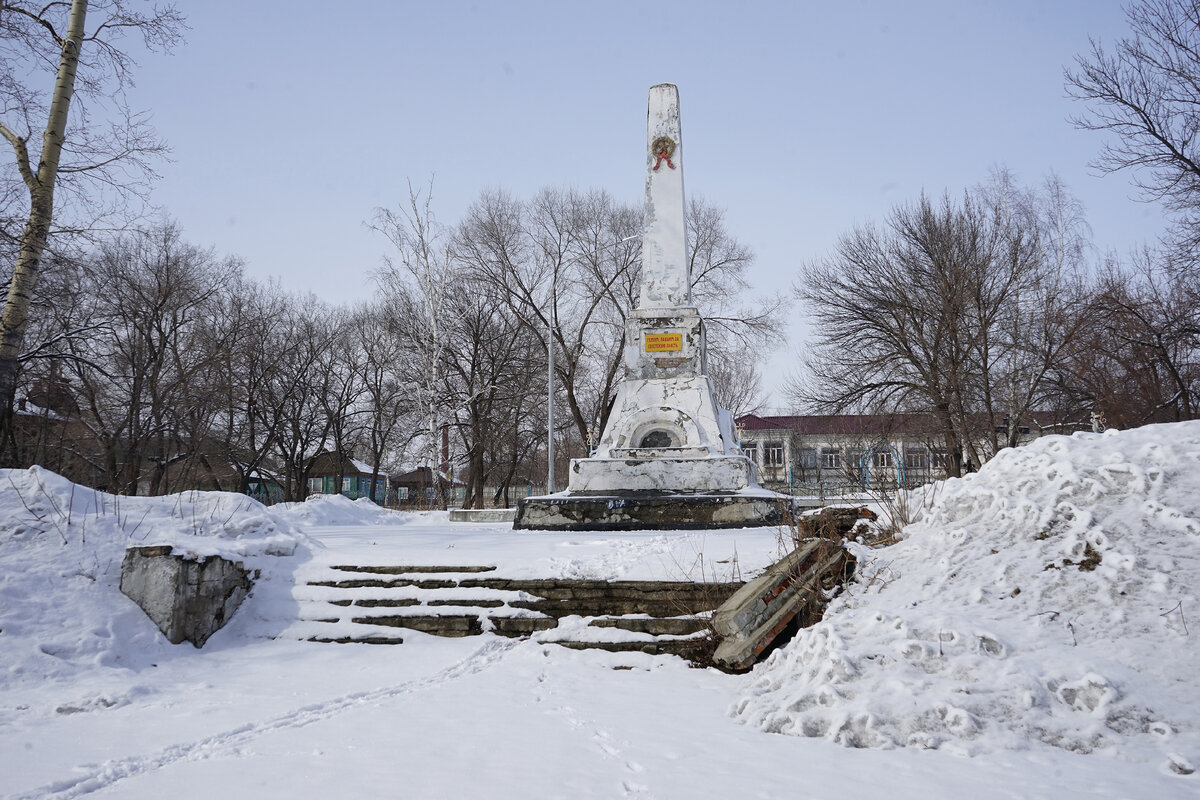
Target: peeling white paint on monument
(666, 437)
(665, 279)
(665, 432)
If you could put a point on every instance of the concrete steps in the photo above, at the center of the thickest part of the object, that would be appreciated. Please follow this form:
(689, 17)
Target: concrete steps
(374, 604)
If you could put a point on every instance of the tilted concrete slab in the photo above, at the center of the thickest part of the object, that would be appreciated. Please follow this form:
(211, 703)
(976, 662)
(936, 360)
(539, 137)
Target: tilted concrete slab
(483, 514)
(754, 617)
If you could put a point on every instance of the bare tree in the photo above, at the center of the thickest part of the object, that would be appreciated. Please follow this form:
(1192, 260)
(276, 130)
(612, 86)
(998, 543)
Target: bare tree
(388, 406)
(738, 385)
(62, 320)
(143, 371)
(718, 264)
(1138, 357)
(569, 264)
(341, 400)
(419, 278)
(55, 38)
(1143, 91)
(740, 330)
(954, 309)
(565, 266)
(1044, 239)
(257, 349)
(293, 403)
(486, 342)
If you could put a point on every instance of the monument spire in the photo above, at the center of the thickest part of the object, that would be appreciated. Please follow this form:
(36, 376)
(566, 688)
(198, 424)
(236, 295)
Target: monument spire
(667, 457)
(666, 282)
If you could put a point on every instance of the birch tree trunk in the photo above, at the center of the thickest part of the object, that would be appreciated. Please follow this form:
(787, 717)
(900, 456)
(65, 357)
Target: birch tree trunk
(40, 183)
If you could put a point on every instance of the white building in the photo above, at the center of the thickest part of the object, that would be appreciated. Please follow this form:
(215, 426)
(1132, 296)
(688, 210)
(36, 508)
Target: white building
(828, 453)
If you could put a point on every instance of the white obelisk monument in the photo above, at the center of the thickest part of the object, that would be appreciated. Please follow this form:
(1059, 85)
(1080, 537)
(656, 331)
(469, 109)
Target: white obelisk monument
(668, 456)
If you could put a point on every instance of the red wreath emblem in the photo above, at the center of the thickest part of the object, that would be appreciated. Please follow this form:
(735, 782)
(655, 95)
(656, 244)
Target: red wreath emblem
(662, 149)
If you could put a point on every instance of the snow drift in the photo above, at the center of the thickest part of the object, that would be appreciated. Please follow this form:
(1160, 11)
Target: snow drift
(336, 509)
(61, 547)
(1044, 599)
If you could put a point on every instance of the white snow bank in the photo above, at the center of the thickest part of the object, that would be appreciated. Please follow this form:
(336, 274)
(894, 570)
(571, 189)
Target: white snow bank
(61, 548)
(337, 509)
(1044, 599)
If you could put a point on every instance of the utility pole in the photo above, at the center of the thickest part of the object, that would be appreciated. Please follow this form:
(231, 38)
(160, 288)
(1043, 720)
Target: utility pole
(550, 404)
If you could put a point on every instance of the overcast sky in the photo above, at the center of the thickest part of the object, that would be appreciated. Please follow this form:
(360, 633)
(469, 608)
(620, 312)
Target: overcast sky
(290, 123)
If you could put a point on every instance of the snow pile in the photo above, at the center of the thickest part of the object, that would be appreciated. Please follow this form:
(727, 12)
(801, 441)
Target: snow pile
(337, 509)
(61, 548)
(1044, 599)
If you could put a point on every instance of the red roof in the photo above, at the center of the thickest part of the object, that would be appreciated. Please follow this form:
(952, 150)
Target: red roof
(841, 424)
(859, 424)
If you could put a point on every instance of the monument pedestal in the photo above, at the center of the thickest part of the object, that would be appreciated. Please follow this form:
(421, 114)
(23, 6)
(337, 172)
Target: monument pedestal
(654, 510)
(668, 457)
(656, 470)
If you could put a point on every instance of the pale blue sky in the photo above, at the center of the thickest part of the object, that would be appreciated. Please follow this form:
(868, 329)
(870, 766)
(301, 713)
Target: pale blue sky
(291, 124)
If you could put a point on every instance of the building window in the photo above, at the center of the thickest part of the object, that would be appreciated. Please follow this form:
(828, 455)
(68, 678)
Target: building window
(854, 464)
(938, 459)
(808, 458)
(316, 485)
(831, 458)
(773, 454)
(916, 459)
(883, 459)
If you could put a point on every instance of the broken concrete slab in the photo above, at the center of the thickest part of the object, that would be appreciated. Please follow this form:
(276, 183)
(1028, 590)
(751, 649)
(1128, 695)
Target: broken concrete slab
(790, 592)
(188, 597)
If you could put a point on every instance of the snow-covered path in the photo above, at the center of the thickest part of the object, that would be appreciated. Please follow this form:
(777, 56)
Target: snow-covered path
(477, 718)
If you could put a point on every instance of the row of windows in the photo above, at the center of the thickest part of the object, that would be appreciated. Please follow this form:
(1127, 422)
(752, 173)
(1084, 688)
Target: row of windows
(771, 454)
(351, 485)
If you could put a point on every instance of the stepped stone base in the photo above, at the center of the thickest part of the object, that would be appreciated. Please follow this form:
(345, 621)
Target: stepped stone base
(660, 617)
(649, 470)
(628, 511)
(698, 651)
(362, 640)
(726, 624)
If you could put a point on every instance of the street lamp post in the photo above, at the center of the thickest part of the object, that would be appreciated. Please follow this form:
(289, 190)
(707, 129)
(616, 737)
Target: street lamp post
(550, 405)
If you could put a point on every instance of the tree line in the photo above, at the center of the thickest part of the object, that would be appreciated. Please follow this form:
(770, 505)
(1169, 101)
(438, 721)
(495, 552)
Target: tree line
(154, 365)
(982, 309)
(144, 362)
(986, 315)
(148, 363)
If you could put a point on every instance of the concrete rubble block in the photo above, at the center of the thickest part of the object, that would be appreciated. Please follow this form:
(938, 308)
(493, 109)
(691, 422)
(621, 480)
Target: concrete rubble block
(188, 597)
(791, 590)
(483, 514)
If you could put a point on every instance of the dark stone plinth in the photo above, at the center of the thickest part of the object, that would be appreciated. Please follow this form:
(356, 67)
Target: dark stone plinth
(639, 511)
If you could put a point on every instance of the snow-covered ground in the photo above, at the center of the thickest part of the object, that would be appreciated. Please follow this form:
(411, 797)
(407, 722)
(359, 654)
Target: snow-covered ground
(1030, 636)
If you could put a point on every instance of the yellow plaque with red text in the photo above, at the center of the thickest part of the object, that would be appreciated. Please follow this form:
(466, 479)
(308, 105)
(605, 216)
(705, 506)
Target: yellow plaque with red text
(664, 342)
